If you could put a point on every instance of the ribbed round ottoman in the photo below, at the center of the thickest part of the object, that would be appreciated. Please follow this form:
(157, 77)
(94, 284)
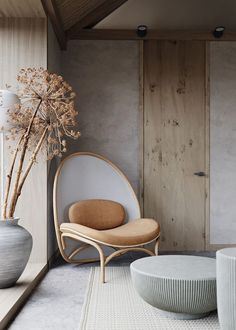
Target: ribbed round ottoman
(181, 287)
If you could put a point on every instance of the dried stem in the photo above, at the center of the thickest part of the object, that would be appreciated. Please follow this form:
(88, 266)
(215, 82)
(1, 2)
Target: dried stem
(28, 168)
(51, 118)
(21, 162)
(9, 178)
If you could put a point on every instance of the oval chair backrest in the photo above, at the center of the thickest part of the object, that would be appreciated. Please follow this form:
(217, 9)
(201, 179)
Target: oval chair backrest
(83, 176)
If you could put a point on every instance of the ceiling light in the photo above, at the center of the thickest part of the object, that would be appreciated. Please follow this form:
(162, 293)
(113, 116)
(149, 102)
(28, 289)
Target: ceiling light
(219, 31)
(141, 31)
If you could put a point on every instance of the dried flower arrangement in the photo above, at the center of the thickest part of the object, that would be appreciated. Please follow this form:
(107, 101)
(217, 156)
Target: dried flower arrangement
(45, 115)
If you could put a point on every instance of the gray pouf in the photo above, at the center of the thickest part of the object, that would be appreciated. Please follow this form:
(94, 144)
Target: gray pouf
(226, 288)
(182, 287)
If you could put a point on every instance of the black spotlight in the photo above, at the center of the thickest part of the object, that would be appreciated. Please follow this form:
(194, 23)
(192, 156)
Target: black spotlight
(219, 31)
(141, 31)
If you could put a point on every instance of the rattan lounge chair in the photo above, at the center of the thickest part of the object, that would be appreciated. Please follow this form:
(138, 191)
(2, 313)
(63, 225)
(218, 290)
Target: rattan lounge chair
(96, 207)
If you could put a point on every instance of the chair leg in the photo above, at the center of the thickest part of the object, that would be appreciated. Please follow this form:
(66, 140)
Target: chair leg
(156, 247)
(102, 267)
(96, 245)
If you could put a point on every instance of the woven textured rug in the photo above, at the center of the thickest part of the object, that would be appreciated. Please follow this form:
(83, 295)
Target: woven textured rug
(115, 305)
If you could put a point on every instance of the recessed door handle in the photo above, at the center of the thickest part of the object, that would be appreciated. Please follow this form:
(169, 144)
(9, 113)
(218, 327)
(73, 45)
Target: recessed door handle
(200, 173)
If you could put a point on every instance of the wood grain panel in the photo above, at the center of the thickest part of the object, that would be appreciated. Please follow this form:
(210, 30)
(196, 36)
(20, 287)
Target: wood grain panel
(23, 43)
(52, 13)
(141, 124)
(71, 11)
(96, 15)
(174, 141)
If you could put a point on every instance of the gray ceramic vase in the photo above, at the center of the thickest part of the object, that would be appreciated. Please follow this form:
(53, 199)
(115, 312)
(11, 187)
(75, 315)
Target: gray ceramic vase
(15, 249)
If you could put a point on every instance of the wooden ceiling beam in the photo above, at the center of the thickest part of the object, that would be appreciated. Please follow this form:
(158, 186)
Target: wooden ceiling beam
(52, 13)
(107, 34)
(95, 16)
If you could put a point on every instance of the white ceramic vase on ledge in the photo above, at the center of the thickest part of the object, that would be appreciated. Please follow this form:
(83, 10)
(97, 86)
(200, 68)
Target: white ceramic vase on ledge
(15, 249)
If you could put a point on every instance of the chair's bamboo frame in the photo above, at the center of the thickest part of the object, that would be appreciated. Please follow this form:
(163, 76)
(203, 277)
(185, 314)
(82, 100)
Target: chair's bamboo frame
(87, 241)
(104, 260)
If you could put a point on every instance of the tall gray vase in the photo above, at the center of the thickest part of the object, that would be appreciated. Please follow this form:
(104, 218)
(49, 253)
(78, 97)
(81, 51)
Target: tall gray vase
(226, 288)
(15, 249)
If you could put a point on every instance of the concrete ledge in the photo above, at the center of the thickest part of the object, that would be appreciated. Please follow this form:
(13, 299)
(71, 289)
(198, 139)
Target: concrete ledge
(12, 299)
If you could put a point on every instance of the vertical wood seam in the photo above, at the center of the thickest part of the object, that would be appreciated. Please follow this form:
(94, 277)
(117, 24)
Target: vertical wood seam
(207, 144)
(141, 120)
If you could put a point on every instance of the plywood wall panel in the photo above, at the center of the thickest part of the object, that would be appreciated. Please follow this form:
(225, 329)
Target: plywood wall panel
(174, 141)
(152, 132)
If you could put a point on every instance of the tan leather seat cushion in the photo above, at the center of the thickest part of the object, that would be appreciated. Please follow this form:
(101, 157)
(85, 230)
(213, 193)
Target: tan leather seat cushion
(133, 233)
(97, 213)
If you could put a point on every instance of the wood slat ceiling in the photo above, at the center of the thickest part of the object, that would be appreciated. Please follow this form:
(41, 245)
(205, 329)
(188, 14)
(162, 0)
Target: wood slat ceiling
(105, 19)
(69, 17)
(95, 16)
(21, 8)
(72, 11)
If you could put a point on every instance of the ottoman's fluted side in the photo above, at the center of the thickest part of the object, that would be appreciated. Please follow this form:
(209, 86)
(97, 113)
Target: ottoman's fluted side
(182, 286)
(226, 288)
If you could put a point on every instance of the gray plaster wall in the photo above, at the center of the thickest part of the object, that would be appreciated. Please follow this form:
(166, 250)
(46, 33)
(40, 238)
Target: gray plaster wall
(105, 76)
(223, 142)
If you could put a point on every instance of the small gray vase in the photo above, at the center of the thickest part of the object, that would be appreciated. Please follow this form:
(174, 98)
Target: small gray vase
(15, 249)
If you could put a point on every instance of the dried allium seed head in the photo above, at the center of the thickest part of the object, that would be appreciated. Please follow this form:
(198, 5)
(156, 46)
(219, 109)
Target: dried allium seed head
(56, 113)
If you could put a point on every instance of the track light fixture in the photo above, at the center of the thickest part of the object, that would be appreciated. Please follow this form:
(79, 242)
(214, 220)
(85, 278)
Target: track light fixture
(142, 31)
(219, 31)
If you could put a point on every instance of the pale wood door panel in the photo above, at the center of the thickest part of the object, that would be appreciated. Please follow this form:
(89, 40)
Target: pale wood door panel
(174, 141)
